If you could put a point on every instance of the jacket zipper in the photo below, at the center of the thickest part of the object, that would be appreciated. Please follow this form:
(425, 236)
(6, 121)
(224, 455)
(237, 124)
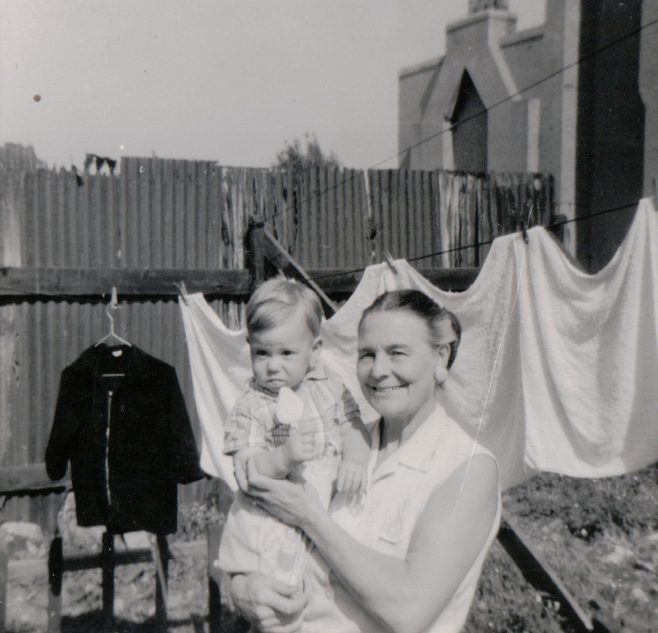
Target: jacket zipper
(107, 447)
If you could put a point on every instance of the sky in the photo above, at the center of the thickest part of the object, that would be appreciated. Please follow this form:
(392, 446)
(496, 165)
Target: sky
(224, 80)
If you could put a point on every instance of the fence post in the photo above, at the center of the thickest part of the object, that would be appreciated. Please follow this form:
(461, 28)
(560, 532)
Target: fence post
(161, 561)
(12, 200)
(55, 572)
(107, 558)
(256, 251)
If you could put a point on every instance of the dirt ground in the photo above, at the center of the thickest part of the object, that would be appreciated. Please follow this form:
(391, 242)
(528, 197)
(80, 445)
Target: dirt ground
(134, 603)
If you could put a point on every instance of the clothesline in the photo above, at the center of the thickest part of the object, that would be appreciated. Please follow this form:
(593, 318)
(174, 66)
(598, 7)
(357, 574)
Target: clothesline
(557, 366)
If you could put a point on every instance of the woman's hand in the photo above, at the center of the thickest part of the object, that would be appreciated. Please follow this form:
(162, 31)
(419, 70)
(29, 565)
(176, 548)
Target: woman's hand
(293, 503)
(272, 606)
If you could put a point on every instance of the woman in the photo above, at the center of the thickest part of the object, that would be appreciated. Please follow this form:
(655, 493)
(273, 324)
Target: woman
(408, 557)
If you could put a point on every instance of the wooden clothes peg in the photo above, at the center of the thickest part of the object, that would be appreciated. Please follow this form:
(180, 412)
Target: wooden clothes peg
(114, 300)
(389, 260)
(182, 290)
(524, 231)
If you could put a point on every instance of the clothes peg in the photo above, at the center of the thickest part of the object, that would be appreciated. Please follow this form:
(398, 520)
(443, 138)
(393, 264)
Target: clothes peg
(524, 231)
(114, 301)
(183, 291)
(389, 260)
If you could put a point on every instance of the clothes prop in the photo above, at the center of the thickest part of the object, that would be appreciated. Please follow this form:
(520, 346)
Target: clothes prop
(121, 421)
(556, 369)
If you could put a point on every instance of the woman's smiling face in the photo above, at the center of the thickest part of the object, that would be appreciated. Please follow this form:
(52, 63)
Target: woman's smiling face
(396, 364)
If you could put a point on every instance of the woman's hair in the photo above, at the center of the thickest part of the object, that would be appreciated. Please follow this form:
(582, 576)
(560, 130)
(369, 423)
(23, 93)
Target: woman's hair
(274, 301)
(443, 326)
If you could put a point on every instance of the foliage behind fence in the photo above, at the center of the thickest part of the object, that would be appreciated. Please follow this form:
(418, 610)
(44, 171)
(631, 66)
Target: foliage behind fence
(187, 215)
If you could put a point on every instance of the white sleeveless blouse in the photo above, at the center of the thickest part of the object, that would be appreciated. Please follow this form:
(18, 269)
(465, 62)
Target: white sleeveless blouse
(398, 491)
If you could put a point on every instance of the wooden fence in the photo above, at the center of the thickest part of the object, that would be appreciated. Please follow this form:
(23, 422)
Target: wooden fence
(66, 238)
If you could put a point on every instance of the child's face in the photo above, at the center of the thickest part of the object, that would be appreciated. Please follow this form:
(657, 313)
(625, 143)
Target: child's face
(281, 356)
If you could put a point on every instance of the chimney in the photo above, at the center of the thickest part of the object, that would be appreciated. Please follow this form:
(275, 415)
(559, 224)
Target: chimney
(476, 6)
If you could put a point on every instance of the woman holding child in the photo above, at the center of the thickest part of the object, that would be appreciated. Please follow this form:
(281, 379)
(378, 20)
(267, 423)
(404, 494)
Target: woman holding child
(406, 556)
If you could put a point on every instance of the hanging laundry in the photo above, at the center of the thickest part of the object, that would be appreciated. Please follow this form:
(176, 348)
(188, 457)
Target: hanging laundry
(556, 369)
(221, 369)
(590, 356)
(121, 421)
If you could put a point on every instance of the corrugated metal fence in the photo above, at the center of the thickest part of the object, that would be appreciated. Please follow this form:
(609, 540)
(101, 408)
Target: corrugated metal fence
(194, 215)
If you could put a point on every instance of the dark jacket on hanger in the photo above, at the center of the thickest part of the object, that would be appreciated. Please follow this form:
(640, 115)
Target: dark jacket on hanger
(128, 438)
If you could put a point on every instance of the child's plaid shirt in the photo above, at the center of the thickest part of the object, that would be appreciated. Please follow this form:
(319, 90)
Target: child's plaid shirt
(328, 407)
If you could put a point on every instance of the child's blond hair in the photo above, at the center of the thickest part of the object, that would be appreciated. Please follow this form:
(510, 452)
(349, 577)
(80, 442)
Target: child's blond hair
(275, 299)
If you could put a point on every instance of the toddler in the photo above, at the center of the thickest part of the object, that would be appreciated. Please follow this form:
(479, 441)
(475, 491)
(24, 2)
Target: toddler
(295, 417)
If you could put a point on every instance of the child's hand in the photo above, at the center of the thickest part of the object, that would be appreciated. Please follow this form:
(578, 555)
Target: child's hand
(352, 478)
(300, 446)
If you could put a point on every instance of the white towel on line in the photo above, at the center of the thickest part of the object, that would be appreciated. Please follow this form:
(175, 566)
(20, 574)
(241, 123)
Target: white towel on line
(557, 369)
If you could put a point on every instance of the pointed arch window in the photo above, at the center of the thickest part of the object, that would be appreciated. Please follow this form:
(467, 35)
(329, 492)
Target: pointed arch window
(470, 131)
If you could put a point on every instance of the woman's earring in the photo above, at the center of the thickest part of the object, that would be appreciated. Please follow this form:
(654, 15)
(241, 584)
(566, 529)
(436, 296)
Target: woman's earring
(440, 374)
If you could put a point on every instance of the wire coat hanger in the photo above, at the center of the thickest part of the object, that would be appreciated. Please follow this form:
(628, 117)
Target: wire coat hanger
(112, 307)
